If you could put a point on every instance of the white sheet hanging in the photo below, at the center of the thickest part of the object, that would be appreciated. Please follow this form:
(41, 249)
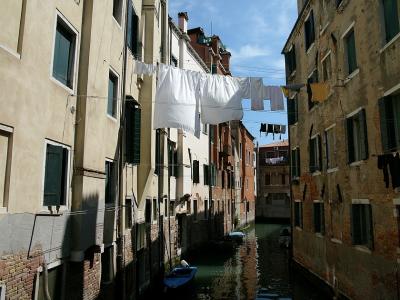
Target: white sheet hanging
(274, 93)
(176, 103)
(141, 68)
(257, 93)
(221, 98)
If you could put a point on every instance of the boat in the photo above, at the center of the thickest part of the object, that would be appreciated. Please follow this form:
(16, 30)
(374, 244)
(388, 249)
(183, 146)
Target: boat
(180, 277)
(284, 237)
(236, 236)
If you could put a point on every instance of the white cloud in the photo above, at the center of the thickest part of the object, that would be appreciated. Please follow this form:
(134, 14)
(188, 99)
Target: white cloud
(249, 52)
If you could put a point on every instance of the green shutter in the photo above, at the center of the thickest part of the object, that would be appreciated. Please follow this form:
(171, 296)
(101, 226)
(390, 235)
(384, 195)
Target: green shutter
(196, 178)
(63, 55)
(111, 95)
(319, 153)
(53, 176)
(132, 132)
(351, 52)
(350, 140)
(312, 165)
(291, 111)
(356, 214)
(369, 226)
(135, 37)
(129, 32)
(363, 135)
(322, 218)
(391, 18)
(387, 124)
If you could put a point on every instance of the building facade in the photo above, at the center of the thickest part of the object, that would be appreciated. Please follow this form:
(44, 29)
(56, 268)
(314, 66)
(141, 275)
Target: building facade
(273, 203)
(345, 213)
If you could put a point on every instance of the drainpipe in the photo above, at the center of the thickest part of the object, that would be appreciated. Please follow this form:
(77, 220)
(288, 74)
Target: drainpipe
(120, 237)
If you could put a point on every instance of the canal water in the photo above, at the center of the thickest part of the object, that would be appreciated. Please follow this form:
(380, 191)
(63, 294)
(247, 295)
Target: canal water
(258, 265)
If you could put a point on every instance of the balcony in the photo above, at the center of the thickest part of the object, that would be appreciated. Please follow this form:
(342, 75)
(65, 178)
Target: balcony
(276, 161)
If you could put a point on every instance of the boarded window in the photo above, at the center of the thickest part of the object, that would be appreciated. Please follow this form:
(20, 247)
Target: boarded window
(309, 30)
(389, 109)
(55, 181)
(357, 141)
(351, 52)
(319, 217)
(64, 54)
(391, 14)
(361, 225)
(132, 135)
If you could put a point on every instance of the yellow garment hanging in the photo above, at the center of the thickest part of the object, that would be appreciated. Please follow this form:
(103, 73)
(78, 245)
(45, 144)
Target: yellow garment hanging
(320, 91)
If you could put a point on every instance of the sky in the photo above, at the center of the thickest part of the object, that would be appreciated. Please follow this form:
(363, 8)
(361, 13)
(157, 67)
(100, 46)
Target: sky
(254, 31)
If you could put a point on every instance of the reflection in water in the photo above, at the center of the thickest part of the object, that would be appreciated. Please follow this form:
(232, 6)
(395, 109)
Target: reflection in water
(238, 272)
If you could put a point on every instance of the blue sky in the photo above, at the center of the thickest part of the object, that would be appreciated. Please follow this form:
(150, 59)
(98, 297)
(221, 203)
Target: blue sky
(254, 31)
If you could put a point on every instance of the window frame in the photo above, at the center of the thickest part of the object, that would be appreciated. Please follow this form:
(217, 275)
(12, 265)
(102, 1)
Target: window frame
(345, 36)
(386, 39)
(67, 183)
(356, 146)
(7, 132)
(367, 240)
(298, 212)
(113, 73)
(309, 40)
(118, 18)
(74, 72)
(318, 152)
(107, 160)
(133, 48)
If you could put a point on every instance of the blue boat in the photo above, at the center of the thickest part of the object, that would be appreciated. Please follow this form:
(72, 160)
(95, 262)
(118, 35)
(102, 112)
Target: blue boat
(180, 277)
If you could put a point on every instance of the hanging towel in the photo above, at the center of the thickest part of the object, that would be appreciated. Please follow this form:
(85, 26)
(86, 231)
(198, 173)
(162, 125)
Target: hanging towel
(320, 91)
(221, 98)
(263, 127)
(141, 68)
(176, 103)
(285, 91)
(270, 129)
(257, 93)
(274, 93)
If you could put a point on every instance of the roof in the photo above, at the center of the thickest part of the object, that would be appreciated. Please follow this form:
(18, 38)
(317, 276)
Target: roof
(247, 131)
(276, 144)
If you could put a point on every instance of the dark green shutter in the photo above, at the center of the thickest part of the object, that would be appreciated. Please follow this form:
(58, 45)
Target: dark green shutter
(133, 132)
(319, 153)
(369, 226)
(391, 18)
(363, 135)
(135, 38)
(53, 176)
(356, 223)
(129, 32)
(388, 134)
(206, 175)
(63, 55)
(322, 218)
(196, 177)
(350, 140)
(291, 111)
(351, 52)
(312, 166)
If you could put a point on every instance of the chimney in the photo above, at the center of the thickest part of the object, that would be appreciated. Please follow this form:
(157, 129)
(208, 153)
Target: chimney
(183, 20)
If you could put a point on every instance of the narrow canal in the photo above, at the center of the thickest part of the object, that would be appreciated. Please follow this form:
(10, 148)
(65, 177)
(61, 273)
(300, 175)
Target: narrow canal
(240, 272)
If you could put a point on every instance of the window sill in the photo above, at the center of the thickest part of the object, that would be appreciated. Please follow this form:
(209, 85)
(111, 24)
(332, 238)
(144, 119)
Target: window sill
(60, 84)
(11, 52)
(363, 249)
(322, 31)
(298, 228)
(316, 173)
(352, 75)
(332, 170)
(117, 23)
(3, 210)
(388, 44)
(357, 163)
(114, 119)
(310, 48)
(319, 235)
(290, 77)
(336, 241)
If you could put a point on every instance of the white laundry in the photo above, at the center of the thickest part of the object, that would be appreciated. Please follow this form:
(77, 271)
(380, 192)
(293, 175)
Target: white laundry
(141, 68)
(257, 93)
(221, 98)
(176, 103)
(274, 93)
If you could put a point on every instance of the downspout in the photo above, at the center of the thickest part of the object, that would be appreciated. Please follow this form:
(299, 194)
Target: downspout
(120, 237)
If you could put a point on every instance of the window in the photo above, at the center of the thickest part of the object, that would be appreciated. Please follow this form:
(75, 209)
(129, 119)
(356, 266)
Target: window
(54, 283)
(140, 236)
(290, 60)
(248, 206)
(267, 179)
(330, 148)
(338, 2)
(189, 206)
(398, 221)
(313, 78)
(293, 110)
(361, 225)
(56, 175)
(5, 161)
(350, 43)
(213, 175)
(205, 209)
(165, 207)
(298, 214)
(174, 61)
(157, 169)
(196, 171)
(132, 30)
(117, 10)
(295, 163)
(389, 109)
(327, 68)
(107, 265)
(133, 114)
(391, 14)
(247, 184)
(128, 213)
(315, 154)
(283, 177)
(240, 150)
(319, 217)
(172, 159)
(111, 182)
(357, 142)
(309, 30)
(195, 210)
(155, 210)
(206, 174)
(171, 208)
(112, 94)
(11, 16)
(223, 179)
(64, 53)
(205, 128)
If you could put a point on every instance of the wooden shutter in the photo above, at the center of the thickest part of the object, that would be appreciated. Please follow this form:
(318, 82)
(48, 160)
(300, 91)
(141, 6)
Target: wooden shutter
(135, 36)
(132, 132)
(312, 28)
(356, 229)
(196, 177)
(53, 175)
(350, 140)
(363, 135)
(388, 134)
(369, 226)
(391, 19)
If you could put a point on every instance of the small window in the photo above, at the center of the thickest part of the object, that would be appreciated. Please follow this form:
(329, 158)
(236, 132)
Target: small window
(389, 109)
(206, 209)
(309, 30)
(327, 68)
(351, 52)
(290, 59)
(267, 179)
(293, 110)
(357, 141)
(155, 217)
(298, 214)
(117, 10)
(319, 217)
(112, 95)
(56, 175)
(133, 114)
(295, 163)
(330, 140)
(128, 213)
(391, 14)
(315, 154)
(171, 208)
(107, 265)
(195, 210)
(64, 53)
(196, 171)
(132, 31)
(361, 225)
(111, 183)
